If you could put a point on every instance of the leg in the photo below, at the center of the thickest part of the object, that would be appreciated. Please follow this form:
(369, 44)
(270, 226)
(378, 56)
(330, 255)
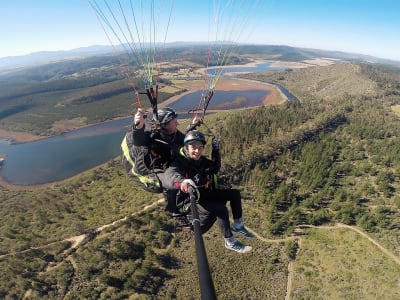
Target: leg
(170, 197)
(212, 208)
(207, 218)
(235, 199)
(215, 210)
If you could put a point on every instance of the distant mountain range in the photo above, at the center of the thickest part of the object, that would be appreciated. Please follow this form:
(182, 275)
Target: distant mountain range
(43, 57)
(288, 53)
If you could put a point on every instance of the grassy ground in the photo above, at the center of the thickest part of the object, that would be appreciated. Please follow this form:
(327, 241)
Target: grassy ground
(260, 274)
(336, 263)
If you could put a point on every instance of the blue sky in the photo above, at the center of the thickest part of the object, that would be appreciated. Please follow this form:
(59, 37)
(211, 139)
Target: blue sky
(359, 26)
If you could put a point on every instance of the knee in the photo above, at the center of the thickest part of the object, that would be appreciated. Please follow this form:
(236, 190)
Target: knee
(207, 223)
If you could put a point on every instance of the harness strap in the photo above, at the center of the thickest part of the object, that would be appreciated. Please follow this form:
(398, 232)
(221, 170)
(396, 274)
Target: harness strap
(147, 181)
(125, 150)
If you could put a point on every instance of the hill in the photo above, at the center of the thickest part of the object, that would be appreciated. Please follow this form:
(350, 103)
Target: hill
(320, 179)
(184, 48)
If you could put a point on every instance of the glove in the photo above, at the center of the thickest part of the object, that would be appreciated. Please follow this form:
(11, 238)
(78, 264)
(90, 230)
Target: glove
(215, 144)
(186, 184)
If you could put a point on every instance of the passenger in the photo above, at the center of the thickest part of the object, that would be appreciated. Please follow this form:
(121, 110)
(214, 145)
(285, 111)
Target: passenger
(192, 169)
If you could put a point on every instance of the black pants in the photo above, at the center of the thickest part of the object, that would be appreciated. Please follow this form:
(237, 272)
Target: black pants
(212, 207)
(170, 197)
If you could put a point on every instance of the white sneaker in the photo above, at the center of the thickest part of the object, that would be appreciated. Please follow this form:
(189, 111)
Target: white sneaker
(238, 247)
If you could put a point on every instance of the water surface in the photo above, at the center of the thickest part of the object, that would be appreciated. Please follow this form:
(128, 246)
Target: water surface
(60, 157)
(222, 100)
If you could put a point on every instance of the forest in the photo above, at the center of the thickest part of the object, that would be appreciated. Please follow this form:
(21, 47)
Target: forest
(317, 176)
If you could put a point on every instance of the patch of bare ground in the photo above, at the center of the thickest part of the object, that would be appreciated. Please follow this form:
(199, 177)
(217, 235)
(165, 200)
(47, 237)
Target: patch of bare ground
(18, 136)
(68, 125)
(290, 64)
(190, 64)
(320, 61)
(304, 63)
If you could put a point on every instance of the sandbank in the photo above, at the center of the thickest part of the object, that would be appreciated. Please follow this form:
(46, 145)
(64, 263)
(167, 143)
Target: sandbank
(18, 136)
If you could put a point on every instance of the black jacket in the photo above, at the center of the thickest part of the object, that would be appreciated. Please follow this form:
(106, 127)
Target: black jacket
(159, 148)
(201, 171)
(147, 153)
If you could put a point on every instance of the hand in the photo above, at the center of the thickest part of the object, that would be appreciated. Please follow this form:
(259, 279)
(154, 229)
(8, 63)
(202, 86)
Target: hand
(196, 120)
(139, 118)
(215, 144)
(187, 184)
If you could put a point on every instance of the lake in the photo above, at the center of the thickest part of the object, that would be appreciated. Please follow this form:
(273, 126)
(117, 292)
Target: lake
(261, 67)
(60, 157)
(63, 156)
(222, 100)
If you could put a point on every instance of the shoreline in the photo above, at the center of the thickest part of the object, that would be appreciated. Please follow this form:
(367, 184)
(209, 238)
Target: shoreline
(274, 97)
(23, 137)
(17, 137)
(223, 84)
(30, 187)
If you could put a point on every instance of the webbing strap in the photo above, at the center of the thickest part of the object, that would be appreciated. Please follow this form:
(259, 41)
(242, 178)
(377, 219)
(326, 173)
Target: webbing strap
(125, 150)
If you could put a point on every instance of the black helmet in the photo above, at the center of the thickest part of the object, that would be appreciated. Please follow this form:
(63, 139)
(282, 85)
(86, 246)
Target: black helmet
(166, 114)
(194, 135)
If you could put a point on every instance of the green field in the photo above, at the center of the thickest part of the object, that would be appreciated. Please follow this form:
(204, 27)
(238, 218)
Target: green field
(337, 263)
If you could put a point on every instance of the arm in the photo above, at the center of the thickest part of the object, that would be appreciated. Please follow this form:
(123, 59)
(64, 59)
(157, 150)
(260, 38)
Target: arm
(172, 177)
(215, 157)
(139, 136)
